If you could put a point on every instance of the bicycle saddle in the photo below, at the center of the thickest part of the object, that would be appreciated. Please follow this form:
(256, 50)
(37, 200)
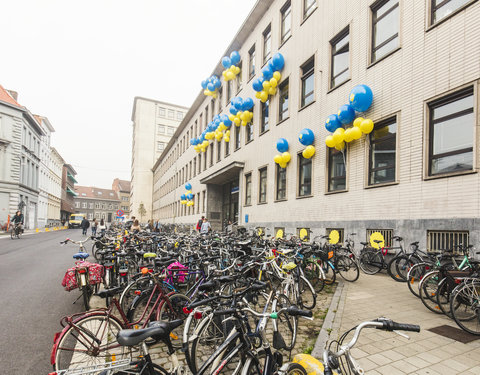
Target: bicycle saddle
(149, 255)
(157, 330)
(81, 256)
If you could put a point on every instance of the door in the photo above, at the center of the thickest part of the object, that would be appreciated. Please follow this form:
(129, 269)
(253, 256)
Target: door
(109, 217)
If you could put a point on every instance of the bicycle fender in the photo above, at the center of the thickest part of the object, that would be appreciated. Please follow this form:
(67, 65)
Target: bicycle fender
(312, 365)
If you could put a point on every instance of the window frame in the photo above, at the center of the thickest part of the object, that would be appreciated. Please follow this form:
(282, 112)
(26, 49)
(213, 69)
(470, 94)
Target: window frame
(267, 38)
(328, 166)
(308, 11)
(303, 77)
(238, 137)
(378, 125)
(434, 8)
(248, 189)
(333, 52)
(281, 113)
(264, 126)
(251, 62)
(300, 158)
(285, 11)
(260, 179)
(249, 132)
(279, 169)
(239, 78)
(374, 20)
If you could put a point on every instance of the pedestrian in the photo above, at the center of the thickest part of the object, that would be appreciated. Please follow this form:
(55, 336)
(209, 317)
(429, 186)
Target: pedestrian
(229, 228)
(94, 227)
(63, 222)
(199, 224)
(102, 227)
(18, 220)
(206, 227)
(150, 225)
(135, 227)
(157, 226)
(85, 224)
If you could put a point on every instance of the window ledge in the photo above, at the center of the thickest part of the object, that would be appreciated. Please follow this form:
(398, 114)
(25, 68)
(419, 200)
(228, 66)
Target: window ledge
(250, 79)
(240, 90)
(384, 57)
(339, 85)
(336, 192)
(382, 185)
(259, 203)
(250, 141)
(307, 17)
(306, 106)
(462, 8)
(446, 175)
(238, 148)
(266, 131)
(280, 200)
(304, 196)
(286, 40)
(247, 205)
(282, 121)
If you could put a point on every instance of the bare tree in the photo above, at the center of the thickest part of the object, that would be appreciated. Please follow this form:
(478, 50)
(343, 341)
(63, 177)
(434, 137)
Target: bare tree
(142, 211)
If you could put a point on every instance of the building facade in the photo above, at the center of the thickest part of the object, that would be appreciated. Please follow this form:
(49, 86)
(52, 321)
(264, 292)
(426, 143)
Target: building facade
(96, 203)
(20, 135)
(416, 175)
(122, 189)
(55, 167)
(67, 203)
(154, 124)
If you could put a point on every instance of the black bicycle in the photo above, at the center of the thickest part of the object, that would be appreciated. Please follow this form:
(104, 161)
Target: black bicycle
(15, 231)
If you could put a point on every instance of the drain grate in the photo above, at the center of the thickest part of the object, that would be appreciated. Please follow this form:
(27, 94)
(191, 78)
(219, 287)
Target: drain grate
(454, 333)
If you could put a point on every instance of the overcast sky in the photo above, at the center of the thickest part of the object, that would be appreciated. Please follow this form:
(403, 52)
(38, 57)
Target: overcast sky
(81, 63)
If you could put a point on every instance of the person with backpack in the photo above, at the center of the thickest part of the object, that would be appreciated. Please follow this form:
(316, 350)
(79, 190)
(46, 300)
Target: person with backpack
(199, 224)
(85, 224)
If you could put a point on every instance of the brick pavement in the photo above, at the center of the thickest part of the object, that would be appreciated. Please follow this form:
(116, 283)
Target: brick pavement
(380, 352)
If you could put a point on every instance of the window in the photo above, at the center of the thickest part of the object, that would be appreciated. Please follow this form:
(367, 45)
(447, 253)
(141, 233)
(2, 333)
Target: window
(97, 206)
(199, 163)
(443, 8)
(160, 146)
(204, 194)
(84, 205)
(308, 7)
(206, 116)
(304, 176)
(385, 24)
(248, 189)
(281, 183)
(179, 116)
(340, 58)
(308, 82)
(383, 152)
(212, 150)
(170, 130)
(171, 113)
(249, 132)
(237, 137)
(227, 148)
(220, 93)
(386, 233)
(303, 234)
(219, 151)
(340, 231)
(262, 185)
(99, 192)
(229, 90)
(84, 194)
(336, 169)
(251, 62)
(283, 101)
(77, 204)
(279, 232)
(286, 29)
(161, 112)
(205, 160)
(194, 167)
(161, 129)
(267, 43)
(239, 77)
(451, 124)
(438, 240)
(90, 206)
(265, 116)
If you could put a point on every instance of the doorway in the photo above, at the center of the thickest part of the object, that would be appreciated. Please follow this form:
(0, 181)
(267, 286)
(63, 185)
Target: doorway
(230, 202)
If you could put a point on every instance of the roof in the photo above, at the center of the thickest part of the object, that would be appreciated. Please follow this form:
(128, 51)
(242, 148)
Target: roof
(7, 98)
(124, 185)
(95, 193)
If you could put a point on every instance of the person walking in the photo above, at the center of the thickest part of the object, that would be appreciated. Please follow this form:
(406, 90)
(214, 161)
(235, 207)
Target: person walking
(94, 227)
(199, 224)
(85, 224)
(206, 227)
(102, 227)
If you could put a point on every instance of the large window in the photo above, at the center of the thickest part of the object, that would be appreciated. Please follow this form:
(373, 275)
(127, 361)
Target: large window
(308, 82)
(443, 8)
(262, 185)
(248, 189)
(219, 96)
(219, 151)
(267, 43)
(383, 142)
(340, 58)
(237, 137)
(281, 183)
(308, 7)
(229, 90)
(251, 62)
(304, 176)
(286, 29)
(179, 116)
(239, 77)
(283, 101)
(337, 176)
(451, 124)
(265, 108)
(170, 130)
(212, 151)
(386, 26)
(248, 132)
(227, 148)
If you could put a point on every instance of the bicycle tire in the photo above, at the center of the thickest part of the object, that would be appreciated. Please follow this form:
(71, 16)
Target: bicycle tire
(285, 324)
(313, 274)
(72, 346)
(295, 369)
(328, 272)
(370, 262)
(12, 233)
(132, 290)
(415, 275)
(428, 289)
(444, 294)
(399, 266)
(347, 268)
(465, 307)
(178, 302)
(308, 296)
(254, 365)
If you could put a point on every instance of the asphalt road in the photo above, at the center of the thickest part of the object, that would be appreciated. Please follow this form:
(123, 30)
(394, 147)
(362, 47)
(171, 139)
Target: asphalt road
(32, 300)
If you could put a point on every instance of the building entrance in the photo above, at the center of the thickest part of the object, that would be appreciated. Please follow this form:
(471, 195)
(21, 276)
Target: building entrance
(230, 195)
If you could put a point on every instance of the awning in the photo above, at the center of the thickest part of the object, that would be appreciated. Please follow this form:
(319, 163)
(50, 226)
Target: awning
(70, 191)
(224, 175)
(70, 176)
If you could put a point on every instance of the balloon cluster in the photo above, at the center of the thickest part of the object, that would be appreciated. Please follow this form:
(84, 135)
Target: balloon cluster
(307, 138)
(267, 84)
(211, 85)
(240, 111)
(229, 63)
(361, 98)
(284, 157)
(188, 197)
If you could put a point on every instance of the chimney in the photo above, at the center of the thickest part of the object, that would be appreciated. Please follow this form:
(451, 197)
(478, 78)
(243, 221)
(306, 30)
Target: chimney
(13, 94)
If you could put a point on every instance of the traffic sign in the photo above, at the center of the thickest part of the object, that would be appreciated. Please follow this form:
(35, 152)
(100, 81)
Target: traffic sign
(120, 213)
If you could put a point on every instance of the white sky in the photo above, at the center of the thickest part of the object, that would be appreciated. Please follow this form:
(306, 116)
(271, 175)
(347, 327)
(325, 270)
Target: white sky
(81, 63)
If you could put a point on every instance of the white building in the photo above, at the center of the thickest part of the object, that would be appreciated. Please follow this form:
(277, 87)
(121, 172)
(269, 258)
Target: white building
(154, 123)
(54, 187)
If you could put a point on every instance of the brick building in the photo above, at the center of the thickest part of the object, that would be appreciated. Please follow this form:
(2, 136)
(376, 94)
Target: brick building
(96, 203)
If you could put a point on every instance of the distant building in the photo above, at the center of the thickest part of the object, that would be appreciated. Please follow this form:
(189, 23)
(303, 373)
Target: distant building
(122, 188)
(55, 167)
(96, 203)
(154, 124)
(67, 206)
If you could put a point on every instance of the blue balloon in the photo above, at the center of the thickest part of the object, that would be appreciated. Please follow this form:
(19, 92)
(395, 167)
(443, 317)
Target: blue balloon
(204, 84)
(278, 61)
(267, 72)
(248, 104)
(192, 142)
(188, 186)
(190, 196)
(235, 57)
(361, 98)
(282, 145)
(233, 110)
(227, 123)
(226, 62)
(217, 83)
(183, 197)
(306, 137)
(332, 123)
(211, 86)
(257, 84)
(238, 103)
(346, 114)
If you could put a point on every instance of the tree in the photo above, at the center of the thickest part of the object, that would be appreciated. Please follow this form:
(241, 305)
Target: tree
(142, 211)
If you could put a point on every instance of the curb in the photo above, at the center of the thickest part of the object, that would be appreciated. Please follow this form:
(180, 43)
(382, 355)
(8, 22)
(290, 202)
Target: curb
(324, 334)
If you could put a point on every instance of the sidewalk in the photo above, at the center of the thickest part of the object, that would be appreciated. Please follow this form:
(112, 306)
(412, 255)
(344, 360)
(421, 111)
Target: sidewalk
(380, 352)
(33, 231)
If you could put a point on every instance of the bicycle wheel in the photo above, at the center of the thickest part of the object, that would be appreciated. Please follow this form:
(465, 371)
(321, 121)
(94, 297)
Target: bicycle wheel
(328, 272)
(465, 307)
(92, 341)
(428, 288)
(313, 274)
(370, 262)
(134, 289)
(308, 296)
(415, 275)
(347, 268)
(295, 369)
(444, 293)
(12, 233)
(285, 324)
(399, 266)
(141, 310)
(172, 309)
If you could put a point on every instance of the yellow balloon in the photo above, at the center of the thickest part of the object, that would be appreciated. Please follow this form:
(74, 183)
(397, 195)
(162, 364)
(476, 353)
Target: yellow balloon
(227, 139)
(348, 135)
(303, 234)
(308, 152)
(357, 122)
(231, 117)
(340, 146)
(258, 94)
(202, 149)
(242, 117)
(244, 123)
(279, 233)
(282, 165)
(366, 126)
(273, 82)
(236, 120)
(266, 85)
(206, 92)
(272, 91)
(329, 141)
(230, 76)
(214, 95)
(286, 157)
(224, 74)
(356, 132)
(338, 135)
(232, 68)
(334, 237)
(237, 69)
(196, 148)
(277, 159)
(263, 96)
(277, 76)
(205, 143)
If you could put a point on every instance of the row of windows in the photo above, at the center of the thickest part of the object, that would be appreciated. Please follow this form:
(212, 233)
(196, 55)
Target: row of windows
(97, 206)
(162, 112)
(177, 209)
(163, 129)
